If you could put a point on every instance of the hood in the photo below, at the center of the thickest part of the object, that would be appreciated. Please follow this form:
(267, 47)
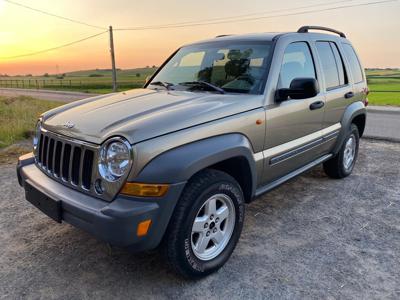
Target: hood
(142, 114)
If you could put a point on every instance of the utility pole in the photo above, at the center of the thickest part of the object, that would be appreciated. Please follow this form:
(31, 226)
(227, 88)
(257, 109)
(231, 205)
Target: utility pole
(114, 71)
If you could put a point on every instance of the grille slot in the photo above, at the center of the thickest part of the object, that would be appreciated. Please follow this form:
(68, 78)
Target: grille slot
(50, 155)
(65, 162)
(87, 168)
(76, 161)
(44, 157)
(57, 159)
(68, 161)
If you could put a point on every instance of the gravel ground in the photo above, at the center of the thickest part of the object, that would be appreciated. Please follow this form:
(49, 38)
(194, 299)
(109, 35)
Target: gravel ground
(313, 237)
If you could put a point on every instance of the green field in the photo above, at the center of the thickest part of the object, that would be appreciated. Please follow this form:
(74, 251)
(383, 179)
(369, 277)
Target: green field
(89, 81)
(384, 84)
(18, 116)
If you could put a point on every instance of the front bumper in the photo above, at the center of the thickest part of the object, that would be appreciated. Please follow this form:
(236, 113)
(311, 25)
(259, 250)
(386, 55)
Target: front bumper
(113, 222)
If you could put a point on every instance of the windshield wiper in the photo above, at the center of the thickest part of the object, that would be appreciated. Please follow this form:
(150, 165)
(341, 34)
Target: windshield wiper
(204, 83)
(167, 85)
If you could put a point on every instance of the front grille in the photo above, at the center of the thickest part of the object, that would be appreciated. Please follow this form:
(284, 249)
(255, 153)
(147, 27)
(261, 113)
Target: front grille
(68, 161)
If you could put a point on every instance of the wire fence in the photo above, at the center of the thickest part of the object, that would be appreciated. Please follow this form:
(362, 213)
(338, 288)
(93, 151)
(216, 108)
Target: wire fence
(68, 84)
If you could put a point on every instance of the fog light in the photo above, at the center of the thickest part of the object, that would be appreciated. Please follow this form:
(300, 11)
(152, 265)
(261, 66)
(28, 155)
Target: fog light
(143, 228)
(98, 186)
(144, 189)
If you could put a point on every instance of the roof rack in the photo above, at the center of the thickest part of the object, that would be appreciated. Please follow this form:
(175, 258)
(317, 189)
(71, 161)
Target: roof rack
(305, 29)
(222, 35)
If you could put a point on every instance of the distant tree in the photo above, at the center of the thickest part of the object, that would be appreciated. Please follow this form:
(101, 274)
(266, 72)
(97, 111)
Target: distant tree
(46, 75)
(147, 67)
(28, 75)
(137, 74)
(153, 66)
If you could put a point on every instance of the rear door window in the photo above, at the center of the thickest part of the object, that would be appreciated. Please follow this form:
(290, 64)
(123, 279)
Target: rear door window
(343, 79)
(329, 66)
(355, 65)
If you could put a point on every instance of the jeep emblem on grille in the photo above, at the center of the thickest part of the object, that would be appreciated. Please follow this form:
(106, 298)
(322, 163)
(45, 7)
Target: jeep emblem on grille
(69, 125)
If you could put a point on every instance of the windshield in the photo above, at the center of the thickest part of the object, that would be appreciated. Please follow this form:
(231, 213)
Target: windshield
(237, 67)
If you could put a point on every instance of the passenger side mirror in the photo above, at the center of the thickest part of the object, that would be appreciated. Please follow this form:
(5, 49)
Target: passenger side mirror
(300, 88)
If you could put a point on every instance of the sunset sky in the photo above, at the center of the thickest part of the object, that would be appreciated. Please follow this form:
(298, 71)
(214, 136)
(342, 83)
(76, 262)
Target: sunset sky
(373, 29)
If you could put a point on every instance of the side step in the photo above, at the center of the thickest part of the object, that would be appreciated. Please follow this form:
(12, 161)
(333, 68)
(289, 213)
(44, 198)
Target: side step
(279, 181)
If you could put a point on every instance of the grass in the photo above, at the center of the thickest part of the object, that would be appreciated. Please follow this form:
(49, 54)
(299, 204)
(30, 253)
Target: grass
(18, 117)
(384, 85)
(89, 81)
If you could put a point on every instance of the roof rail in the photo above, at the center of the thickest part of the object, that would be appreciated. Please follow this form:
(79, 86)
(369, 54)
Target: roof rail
(305, 29)
(222, 35)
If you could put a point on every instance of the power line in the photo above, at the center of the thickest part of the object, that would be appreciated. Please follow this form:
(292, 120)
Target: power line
(180, 25)
(54, 48)
(240, 16)
(54, 15)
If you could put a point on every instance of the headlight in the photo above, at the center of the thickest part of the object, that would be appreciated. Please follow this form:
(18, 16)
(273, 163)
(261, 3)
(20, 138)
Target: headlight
(114, 159)
(36, 136)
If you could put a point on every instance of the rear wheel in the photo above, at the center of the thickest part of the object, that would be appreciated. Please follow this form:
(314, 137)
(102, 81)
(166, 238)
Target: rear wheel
(206, 224)
(342, 164)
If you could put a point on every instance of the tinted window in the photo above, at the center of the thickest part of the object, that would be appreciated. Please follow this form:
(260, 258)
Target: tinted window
(340, 65)
(355, 66)
(328, 62)
(239, 67)
(297, 62)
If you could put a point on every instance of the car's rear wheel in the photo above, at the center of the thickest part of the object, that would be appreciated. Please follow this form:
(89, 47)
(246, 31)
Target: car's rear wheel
(343, 163)
(206, 224)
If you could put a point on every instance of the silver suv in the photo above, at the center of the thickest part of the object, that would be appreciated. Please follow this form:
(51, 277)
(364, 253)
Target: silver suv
(221, 122)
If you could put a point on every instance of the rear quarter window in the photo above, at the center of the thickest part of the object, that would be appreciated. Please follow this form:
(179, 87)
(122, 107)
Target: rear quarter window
(355, 66)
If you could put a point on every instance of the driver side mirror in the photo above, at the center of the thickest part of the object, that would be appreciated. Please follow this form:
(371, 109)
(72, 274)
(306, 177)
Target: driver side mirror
(300, 88)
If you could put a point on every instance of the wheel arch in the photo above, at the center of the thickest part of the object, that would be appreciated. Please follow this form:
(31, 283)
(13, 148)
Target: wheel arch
(230, 153)
(354, 113)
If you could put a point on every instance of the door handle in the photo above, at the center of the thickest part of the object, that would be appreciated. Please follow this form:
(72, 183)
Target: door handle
(316, 105)
(349, 95)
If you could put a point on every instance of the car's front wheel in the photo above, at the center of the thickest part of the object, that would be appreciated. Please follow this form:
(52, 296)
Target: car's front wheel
(206, 224)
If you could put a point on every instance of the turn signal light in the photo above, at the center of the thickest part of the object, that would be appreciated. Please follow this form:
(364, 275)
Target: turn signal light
(143, 228)
(144, 189)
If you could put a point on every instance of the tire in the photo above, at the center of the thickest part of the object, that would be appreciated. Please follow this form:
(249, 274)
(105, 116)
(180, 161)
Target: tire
(182, 247)
(339, 166)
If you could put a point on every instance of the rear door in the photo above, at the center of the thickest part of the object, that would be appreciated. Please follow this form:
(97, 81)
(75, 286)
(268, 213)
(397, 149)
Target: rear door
(356, 72)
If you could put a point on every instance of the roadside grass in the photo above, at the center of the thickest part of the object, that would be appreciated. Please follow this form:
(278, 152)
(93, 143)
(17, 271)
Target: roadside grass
(384, 85)
(18, 116)
(384, 98)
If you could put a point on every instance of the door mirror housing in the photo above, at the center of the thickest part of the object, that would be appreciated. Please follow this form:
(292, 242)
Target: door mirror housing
(300, 88)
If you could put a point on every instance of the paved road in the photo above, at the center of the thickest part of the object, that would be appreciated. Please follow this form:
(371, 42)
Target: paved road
(312, 238)
(383, 124)
(61, 96)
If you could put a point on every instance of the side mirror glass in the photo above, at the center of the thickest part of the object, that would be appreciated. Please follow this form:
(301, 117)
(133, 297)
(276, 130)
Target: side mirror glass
(300, 88)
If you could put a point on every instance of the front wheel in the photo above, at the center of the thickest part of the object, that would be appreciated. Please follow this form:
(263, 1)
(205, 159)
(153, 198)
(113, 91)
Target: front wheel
(343, 163)
(206, 224)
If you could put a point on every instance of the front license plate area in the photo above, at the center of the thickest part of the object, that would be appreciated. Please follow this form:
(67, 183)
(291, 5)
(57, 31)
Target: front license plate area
(49, 206)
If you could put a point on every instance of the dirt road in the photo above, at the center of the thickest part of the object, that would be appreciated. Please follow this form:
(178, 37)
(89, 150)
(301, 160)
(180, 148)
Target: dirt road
(312, 238)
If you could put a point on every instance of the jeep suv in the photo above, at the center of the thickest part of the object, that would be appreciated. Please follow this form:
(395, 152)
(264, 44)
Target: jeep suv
(221, 122)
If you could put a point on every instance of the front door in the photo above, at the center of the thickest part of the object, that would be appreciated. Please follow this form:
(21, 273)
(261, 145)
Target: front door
(293, 133)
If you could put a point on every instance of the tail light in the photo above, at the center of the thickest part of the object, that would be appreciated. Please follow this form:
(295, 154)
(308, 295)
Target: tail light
(365, 92)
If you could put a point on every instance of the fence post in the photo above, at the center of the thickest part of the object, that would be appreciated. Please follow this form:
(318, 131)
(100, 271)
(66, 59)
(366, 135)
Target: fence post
(36, 81)
(70, 83)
